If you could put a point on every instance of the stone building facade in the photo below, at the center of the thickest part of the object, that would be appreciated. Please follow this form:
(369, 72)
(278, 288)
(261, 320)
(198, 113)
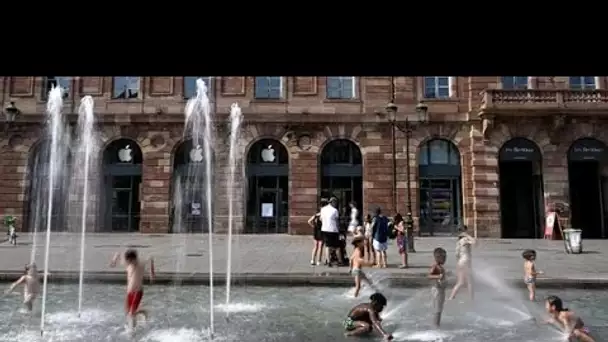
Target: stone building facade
(493, 153)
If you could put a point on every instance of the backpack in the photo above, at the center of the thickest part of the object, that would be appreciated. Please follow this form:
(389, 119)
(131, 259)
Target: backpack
(381, 231)
(392, 232)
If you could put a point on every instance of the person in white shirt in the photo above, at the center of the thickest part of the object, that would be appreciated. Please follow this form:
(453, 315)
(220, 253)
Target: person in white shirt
(354, 215)
(329, 227)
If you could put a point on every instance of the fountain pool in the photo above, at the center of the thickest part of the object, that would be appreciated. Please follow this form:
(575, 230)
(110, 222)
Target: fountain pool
(280, 314)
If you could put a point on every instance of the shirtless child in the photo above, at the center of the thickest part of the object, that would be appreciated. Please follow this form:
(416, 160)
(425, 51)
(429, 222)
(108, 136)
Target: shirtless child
(437, 274)
(366, 316)
(31, 286)
(135, 280)
(530, 272)
(567, 320)
(357, 262)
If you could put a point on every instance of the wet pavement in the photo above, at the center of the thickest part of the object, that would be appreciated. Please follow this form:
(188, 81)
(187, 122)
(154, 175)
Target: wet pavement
(285, 255)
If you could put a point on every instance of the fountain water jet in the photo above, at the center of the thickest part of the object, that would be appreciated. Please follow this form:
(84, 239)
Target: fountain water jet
(37, 210)
(86, 139)
(236, 118)
(56, 155)
(198, 115)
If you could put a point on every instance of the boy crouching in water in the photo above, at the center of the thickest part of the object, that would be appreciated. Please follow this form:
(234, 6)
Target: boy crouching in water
(365, 317)
(31, 286)
(135, 280)
(437, 274)
(357, 262)
(567, 320)
(530, 272)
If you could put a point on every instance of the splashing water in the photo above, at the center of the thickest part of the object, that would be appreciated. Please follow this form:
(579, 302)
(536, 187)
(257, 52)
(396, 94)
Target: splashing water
(86, 143)
(241, 307)
(236, 118)
(198, 115)
(395, 311)
(56, 155)
(485, 274)
(422, 336)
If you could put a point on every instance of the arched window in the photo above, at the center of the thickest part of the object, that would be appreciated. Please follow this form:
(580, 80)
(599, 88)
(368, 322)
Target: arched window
(189, 205)
(439, 152)
(440, 187)
(588, 185)
(268, 195)
(341, 174)
(520, 189)
(122, 169)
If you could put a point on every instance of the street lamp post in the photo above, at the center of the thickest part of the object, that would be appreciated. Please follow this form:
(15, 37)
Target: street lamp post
(10, 114)
(421, 111)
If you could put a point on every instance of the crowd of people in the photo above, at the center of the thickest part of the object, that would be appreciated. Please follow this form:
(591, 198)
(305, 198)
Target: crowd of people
(370, 243)
(331, 228)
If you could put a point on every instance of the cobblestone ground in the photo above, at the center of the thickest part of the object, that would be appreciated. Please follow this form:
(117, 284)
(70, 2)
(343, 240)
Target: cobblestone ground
(284, 255)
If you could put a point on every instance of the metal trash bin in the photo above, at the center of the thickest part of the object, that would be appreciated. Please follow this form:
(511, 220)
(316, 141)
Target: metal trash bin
(574, 240)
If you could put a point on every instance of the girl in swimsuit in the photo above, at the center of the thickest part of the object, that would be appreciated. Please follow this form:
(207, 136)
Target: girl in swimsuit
(567, 320)
(530, 272)
(357, 262)
(464, 270)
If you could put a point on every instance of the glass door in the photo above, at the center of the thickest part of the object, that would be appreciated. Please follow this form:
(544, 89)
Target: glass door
(346, 190)
(439, 211)
(269, 211)
(124, 204)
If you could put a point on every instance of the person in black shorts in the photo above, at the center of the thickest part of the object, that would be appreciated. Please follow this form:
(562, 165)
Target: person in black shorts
(330, 226)
(315, 223)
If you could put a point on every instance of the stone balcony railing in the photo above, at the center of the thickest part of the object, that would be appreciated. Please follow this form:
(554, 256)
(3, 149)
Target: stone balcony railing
(518, 102)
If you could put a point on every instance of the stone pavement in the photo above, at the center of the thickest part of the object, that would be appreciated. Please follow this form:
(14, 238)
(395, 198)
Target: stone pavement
(285, 258)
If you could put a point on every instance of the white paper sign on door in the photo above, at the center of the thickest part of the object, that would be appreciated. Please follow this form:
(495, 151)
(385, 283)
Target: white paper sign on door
(267, 210)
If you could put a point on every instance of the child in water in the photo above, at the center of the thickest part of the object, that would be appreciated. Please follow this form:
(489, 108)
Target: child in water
(464, 269)
(437, 274)
(357, 262)
(530, 272)
(365, 317)
(31, 286)
(135, 280)
(567, 320)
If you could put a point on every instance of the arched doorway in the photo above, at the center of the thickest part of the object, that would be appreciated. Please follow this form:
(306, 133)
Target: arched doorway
(521, 189)
(342, 174)
(588, 186)
(268, 188)
(189, 203)
(440, 187)
(38, 194)
(122, 168)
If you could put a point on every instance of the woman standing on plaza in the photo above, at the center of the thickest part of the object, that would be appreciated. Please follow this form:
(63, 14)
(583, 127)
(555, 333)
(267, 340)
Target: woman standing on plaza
(315, 222)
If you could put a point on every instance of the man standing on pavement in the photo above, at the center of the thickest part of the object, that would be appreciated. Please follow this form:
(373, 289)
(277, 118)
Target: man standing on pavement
(330, 223)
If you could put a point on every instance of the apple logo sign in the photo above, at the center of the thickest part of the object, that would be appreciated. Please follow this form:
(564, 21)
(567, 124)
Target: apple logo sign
(125, 154)
(196, 154)
(268, 154)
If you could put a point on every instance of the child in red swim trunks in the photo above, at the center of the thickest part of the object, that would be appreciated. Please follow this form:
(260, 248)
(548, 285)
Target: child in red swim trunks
(135, 280)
